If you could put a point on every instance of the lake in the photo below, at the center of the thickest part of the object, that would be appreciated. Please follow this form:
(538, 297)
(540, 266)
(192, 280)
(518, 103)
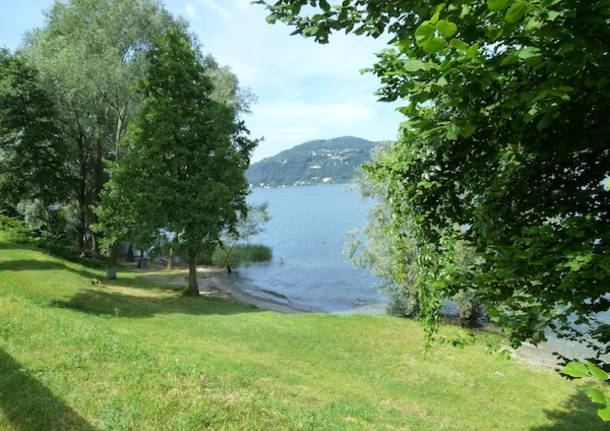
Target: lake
(308, 232)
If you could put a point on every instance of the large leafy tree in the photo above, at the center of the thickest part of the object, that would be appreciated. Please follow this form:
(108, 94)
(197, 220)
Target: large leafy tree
(91, 54)
(188, 150)
(32, 155)
(506, 147)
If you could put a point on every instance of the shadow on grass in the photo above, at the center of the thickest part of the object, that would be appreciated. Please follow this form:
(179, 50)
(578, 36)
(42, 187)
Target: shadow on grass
(39, 265)
(139, 280)
(28, 405)
(579, 414)
(103, 303)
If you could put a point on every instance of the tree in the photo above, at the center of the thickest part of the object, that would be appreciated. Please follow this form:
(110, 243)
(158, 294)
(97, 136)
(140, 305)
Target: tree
(121, 214)
(32, 155)
(375, 249)
(91, 54)
(248, 225)
(506, 149)
(188, 150)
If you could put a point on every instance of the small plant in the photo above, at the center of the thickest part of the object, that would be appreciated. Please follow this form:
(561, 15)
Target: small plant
(469, 308)
(403, 303)
(599, 390)
(15, 229)
(240, 254)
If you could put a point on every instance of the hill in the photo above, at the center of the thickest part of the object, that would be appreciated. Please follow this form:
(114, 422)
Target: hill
(132, 354)
(314, 162)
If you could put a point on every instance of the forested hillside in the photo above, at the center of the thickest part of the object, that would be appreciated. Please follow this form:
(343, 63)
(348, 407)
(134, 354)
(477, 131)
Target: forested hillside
(314, 162)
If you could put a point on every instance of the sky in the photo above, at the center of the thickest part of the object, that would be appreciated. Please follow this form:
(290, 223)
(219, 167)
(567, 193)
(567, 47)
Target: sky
(304, 90)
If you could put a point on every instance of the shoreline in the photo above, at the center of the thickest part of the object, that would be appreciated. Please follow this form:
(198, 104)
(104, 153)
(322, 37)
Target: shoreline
(218, 283)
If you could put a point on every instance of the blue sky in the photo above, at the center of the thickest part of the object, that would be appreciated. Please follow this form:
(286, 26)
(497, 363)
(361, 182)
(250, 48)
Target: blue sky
(305, 91)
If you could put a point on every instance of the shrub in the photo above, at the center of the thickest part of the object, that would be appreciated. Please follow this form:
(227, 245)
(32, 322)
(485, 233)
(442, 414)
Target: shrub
(403, 303)
(254, 253)
(470, 310)
(57, 245)
(241, 254)
(15, 229)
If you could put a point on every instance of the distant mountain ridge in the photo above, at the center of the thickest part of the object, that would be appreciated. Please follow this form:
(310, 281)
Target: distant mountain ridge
(314, 162)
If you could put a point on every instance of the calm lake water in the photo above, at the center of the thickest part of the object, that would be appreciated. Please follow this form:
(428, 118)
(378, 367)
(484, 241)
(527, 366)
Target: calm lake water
(308, 234)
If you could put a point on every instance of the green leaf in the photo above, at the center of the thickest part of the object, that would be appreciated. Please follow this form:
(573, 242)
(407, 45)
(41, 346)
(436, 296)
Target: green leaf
(604, 413)
(424, 31)
(530, 55)
(311, 31)
(452, 132)
(441, 82)
(595, 394)
(467, 129)
(465, 11)
(565, 48)
(437, 12)
(472, 51)
(272, 19)
(435, 17)
(576, 369)
(413, 65)
(516, 12)
(597, 372)
(494, 32)
(528, 52)
(533, 24)
(446, 28)
(458, 44)
(509, 59)
(553, 14)
(433, 45)
(495, 5)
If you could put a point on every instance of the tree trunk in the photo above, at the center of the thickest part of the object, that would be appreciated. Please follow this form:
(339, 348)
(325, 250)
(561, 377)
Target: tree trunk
(82, 196)
(99, 184)
(193, 287)
(95, 246)
(130, 256)
(170, 258)
(112, 264)
(119, 131)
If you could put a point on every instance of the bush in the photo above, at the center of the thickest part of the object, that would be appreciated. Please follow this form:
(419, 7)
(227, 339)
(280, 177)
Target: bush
(15, 229)
(241, 254)
(57, 245)
(254, 253)
(403, 303)
(470, 310)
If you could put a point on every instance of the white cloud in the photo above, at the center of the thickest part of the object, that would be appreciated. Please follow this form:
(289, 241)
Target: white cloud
(336, 113)
(306, 90)
(214, 6)
(191, 11)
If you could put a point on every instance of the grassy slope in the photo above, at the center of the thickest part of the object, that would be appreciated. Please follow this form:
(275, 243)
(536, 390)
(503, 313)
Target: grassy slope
(135, 356)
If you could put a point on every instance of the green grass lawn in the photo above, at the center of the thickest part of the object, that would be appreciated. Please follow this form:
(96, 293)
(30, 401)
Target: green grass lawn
(132, 355)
